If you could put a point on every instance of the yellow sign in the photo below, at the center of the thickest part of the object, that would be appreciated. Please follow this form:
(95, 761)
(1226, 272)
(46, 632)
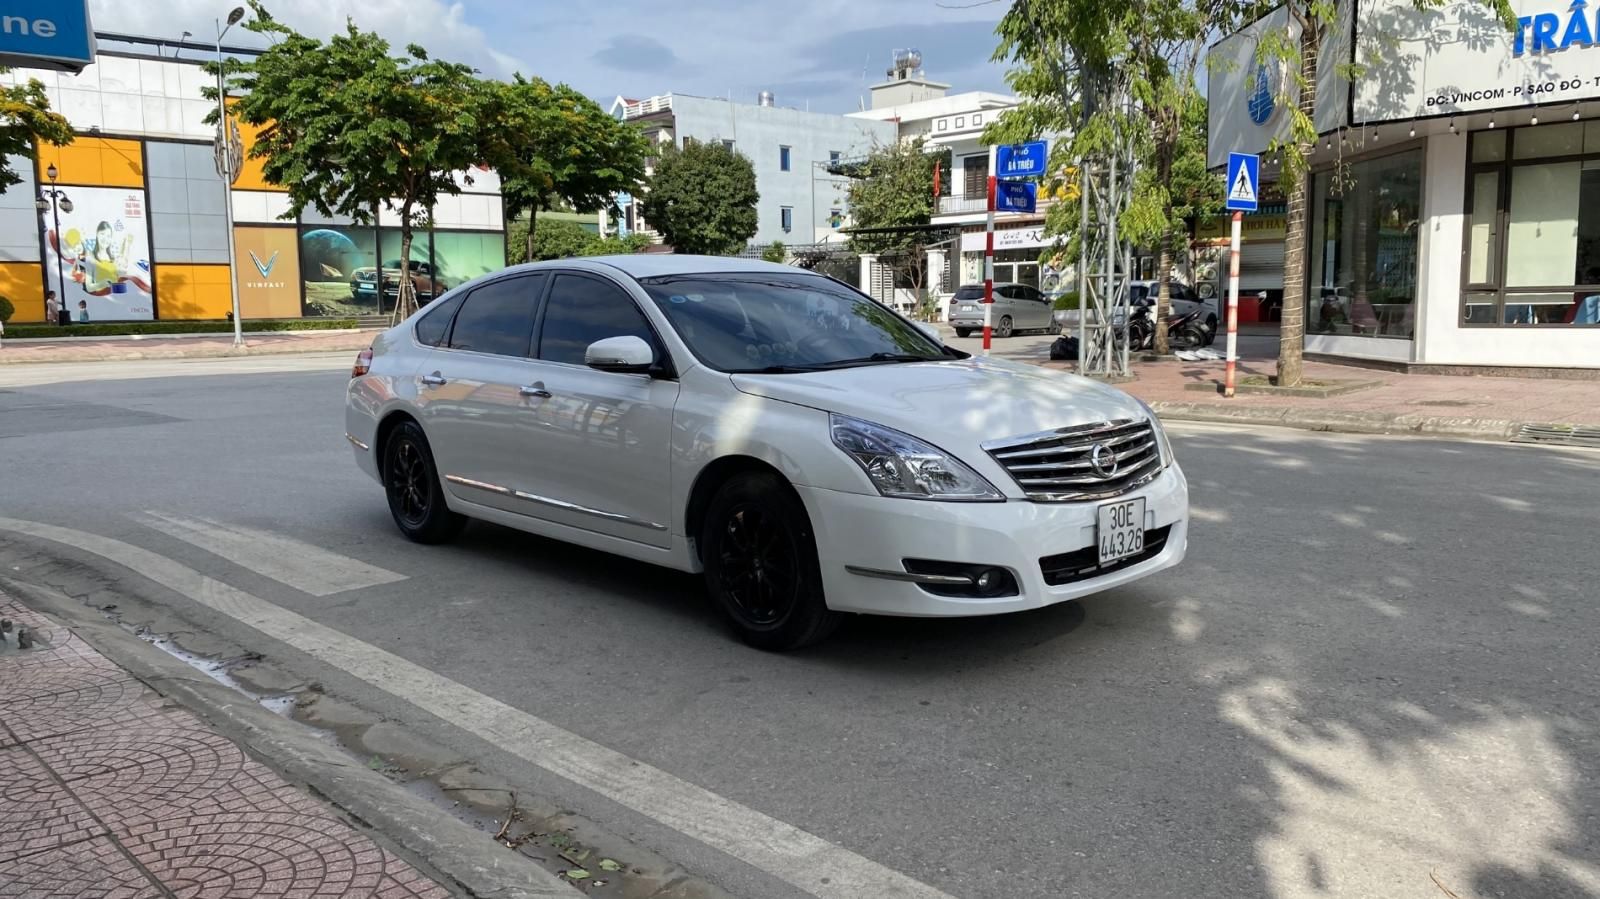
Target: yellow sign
(1255, 227)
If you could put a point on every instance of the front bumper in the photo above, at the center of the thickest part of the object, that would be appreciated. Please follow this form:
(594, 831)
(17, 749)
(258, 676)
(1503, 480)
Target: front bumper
(876, 533)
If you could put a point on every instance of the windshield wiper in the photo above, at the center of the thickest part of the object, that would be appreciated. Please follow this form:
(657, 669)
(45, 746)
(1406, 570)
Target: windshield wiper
(878, 359)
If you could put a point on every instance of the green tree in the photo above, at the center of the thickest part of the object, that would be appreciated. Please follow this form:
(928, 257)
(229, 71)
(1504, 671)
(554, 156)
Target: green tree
(702, 199)
(25, 122)
(561, 239)
(554, 147)
(775, 252)
(346, 127)
(891, 200)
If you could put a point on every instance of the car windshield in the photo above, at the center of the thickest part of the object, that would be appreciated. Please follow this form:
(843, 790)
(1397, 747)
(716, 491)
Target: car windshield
(779, 322)
(969, 293)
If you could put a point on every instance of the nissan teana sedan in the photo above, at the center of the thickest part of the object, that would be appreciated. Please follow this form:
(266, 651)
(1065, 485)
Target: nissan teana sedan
(810, 451)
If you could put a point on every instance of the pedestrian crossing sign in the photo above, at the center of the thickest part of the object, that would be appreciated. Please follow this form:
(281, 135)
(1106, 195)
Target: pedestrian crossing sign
(1244, 181)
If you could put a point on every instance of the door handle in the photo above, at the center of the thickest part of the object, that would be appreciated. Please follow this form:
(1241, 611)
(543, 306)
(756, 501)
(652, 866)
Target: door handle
(433, 380)
(535, 389)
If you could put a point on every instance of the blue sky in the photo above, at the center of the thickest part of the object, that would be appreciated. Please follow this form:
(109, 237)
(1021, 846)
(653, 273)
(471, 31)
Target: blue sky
(814, 53)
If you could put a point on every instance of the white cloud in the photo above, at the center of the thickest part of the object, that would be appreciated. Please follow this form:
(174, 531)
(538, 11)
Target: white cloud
(441, 27)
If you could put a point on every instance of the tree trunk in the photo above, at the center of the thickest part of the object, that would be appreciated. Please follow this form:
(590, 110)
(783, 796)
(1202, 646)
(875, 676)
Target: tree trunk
(406, 297)
(1292, 328)
(533, 219)
(1164, 297)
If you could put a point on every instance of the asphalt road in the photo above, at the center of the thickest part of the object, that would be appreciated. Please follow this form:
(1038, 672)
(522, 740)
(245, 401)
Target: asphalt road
(1376, 675)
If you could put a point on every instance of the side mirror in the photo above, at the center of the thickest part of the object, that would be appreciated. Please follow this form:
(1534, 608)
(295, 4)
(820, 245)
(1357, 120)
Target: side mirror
(930, 331)
(630, 355)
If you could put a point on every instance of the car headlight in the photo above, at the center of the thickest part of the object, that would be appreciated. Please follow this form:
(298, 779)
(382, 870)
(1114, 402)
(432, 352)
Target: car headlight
(1163, 445)
(902, 466)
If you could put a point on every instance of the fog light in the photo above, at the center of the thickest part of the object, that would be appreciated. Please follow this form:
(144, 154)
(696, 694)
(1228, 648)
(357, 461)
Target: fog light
(989, 579)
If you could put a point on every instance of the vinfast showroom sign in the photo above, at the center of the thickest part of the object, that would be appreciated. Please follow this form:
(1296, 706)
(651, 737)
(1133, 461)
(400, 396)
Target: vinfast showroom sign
(1460, 58)
(46, 34)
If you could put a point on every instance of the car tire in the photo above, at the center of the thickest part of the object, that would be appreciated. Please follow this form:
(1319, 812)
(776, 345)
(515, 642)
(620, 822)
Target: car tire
(411, 482)
(760, 559)
(1004, 328)
(963, 332)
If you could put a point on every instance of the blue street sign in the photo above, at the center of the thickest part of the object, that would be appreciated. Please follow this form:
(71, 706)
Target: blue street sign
(1020, 160)
(1244, 182)
(46, 34)
(1015, 196)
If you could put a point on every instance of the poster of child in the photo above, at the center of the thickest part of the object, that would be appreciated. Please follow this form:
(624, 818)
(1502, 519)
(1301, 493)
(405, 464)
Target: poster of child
(104, 251)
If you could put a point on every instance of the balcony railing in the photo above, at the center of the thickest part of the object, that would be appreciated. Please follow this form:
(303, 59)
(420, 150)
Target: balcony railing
(960, 205)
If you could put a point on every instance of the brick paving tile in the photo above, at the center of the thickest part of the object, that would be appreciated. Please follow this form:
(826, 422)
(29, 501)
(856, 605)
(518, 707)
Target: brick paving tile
(154, 744)
(191, 787)
(96, 704)
(94, 869)
(36, 813)
(26, 681)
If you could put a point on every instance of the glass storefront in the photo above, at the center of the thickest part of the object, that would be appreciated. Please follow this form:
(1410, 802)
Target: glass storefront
(1363, 248)
(1533, 227)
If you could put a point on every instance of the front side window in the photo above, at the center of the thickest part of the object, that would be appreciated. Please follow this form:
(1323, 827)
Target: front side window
(498, 317)
(782, 323)
(582, 310)
(1364, 248)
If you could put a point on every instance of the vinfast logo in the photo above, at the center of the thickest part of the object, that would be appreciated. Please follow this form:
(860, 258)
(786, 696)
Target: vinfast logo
(265, 268)
(1550, 32)
(1262, 100)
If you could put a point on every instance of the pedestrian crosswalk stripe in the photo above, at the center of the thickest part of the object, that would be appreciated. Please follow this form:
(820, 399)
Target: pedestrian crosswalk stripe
(797, 857)
(294, 563)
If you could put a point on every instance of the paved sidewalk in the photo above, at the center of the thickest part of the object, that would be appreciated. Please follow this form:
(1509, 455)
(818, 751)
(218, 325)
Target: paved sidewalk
(182, 347)
(106, 790)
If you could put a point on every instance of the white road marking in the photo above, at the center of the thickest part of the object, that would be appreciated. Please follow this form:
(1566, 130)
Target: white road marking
(307, 568)
(788, 853)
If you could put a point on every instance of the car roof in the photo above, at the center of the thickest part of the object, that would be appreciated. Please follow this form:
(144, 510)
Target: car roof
(997, 284)
(651, 265)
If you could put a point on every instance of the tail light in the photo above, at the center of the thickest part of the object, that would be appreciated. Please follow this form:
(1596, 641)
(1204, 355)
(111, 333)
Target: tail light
(363, 363)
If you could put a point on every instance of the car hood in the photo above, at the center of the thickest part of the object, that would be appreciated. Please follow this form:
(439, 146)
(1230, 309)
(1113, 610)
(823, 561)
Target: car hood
(956, 404)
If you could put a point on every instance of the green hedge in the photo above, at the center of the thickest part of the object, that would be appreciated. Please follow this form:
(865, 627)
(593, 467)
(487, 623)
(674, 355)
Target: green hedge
(1069, 300)
(126, 329)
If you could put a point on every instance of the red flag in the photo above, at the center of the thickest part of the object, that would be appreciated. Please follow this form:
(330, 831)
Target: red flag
(936, 163)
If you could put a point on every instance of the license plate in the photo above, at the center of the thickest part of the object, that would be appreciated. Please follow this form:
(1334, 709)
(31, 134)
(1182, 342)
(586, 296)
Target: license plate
(1120, 531)
(969, 308)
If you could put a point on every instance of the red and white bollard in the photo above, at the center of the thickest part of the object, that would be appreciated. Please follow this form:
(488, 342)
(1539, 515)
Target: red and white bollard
(988, 270)
(1233, 304)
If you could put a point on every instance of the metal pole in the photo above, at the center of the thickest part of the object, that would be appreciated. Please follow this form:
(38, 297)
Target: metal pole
(1110, 295)
(227, 192)
(988, 266)
(1083, 263)
(61, 276)
(1233, 303)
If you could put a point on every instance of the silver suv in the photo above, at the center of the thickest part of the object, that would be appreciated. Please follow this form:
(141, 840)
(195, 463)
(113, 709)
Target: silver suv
(1017, 307)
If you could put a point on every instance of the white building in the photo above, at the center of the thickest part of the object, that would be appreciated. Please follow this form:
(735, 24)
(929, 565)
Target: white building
(1455, 188)
(790, 149)
(923, 108)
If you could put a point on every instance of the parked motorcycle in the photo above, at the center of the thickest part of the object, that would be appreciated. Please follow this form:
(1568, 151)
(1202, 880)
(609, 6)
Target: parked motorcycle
(1184, 332)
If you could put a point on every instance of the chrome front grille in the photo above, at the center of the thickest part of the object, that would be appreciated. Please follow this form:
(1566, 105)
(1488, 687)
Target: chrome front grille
(1081, 463)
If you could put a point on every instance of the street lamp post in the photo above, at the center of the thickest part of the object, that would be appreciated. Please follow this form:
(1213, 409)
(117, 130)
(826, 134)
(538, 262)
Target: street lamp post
(225, 154)
(54, 200)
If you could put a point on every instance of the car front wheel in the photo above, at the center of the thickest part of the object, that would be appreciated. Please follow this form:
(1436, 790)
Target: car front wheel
(1004, 328)
(761, 565)
(416, 498)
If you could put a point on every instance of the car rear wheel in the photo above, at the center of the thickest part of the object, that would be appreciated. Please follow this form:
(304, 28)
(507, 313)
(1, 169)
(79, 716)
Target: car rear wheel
(416, 498)
(761, 565)
(963, 332)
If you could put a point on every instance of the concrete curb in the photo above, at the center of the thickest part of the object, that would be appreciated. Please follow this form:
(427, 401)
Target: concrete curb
(466, 860)
(192, 335)
(1348, 422)
(157, 355)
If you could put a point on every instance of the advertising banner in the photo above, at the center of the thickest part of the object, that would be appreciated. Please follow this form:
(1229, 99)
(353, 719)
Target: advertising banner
(267, 261)
(103, 249)
(339, 264)
(1460, 58)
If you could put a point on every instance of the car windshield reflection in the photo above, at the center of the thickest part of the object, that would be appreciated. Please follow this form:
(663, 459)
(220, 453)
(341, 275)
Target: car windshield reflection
(781, 323)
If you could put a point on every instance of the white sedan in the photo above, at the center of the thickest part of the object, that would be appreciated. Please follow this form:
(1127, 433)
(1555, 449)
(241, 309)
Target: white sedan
(809, 450)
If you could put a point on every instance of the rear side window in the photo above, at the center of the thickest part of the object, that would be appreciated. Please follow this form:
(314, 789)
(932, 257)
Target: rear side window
(498, 317)
(582, 310)
(434, 326)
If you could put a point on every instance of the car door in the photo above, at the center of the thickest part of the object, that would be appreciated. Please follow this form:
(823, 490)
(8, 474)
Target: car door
(601, 439)
(474, 391)
(1006, 304)
(1038, 306)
